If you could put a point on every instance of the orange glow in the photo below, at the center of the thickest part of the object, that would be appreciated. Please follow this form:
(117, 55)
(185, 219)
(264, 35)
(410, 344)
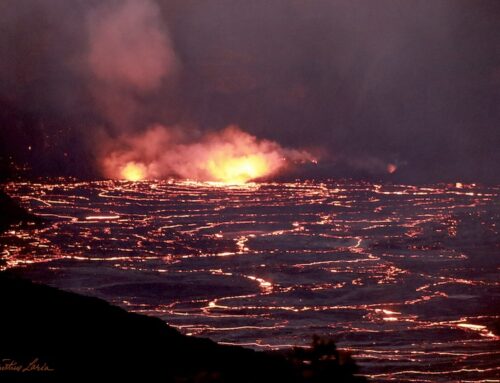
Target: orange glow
(133, 171)
(391, 168)
(238, 170)
(101, 217)
(230, 157)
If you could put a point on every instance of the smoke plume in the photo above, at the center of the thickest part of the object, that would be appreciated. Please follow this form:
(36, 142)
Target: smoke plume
(129, 55)
(229, 156)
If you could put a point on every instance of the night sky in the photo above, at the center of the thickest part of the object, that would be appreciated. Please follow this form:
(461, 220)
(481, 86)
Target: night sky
(360, 84)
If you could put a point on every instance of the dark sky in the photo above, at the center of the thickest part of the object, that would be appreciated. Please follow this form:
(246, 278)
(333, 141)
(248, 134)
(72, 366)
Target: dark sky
(364, 83)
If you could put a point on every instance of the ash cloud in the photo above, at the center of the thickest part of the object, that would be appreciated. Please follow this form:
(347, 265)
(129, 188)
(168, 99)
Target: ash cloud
(365, 83)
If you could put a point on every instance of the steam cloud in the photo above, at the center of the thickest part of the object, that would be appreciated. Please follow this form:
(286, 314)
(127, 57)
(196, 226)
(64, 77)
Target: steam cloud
(129, 54)
(230, 155)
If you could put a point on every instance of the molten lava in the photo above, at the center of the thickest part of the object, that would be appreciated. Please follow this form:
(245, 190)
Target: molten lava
(133, 171)
(238, 170)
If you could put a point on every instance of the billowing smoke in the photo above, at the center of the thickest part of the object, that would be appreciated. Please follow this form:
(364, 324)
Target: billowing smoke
(129, 55)
(229, 156)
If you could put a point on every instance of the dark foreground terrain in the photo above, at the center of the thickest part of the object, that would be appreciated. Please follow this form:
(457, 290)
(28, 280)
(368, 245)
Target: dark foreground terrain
(49, 335)
(11, 213)
(56, 336)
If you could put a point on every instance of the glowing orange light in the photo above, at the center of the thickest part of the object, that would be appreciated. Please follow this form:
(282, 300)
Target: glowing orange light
(229, 157)
(133, 171)
(238, 170)
(391, 168)
(101, 217)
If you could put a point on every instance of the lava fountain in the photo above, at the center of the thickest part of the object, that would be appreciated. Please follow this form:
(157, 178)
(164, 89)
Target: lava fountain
(230, 156)
(133, 171)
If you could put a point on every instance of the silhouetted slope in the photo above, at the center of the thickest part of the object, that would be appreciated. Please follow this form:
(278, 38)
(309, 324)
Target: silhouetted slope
(83, 338)
(11, 213)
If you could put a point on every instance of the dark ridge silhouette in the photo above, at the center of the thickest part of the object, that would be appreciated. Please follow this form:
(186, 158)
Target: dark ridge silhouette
(83, 338)
(12, 214)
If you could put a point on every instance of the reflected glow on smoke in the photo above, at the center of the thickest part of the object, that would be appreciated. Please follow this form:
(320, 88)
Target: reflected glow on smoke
(230, 156)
